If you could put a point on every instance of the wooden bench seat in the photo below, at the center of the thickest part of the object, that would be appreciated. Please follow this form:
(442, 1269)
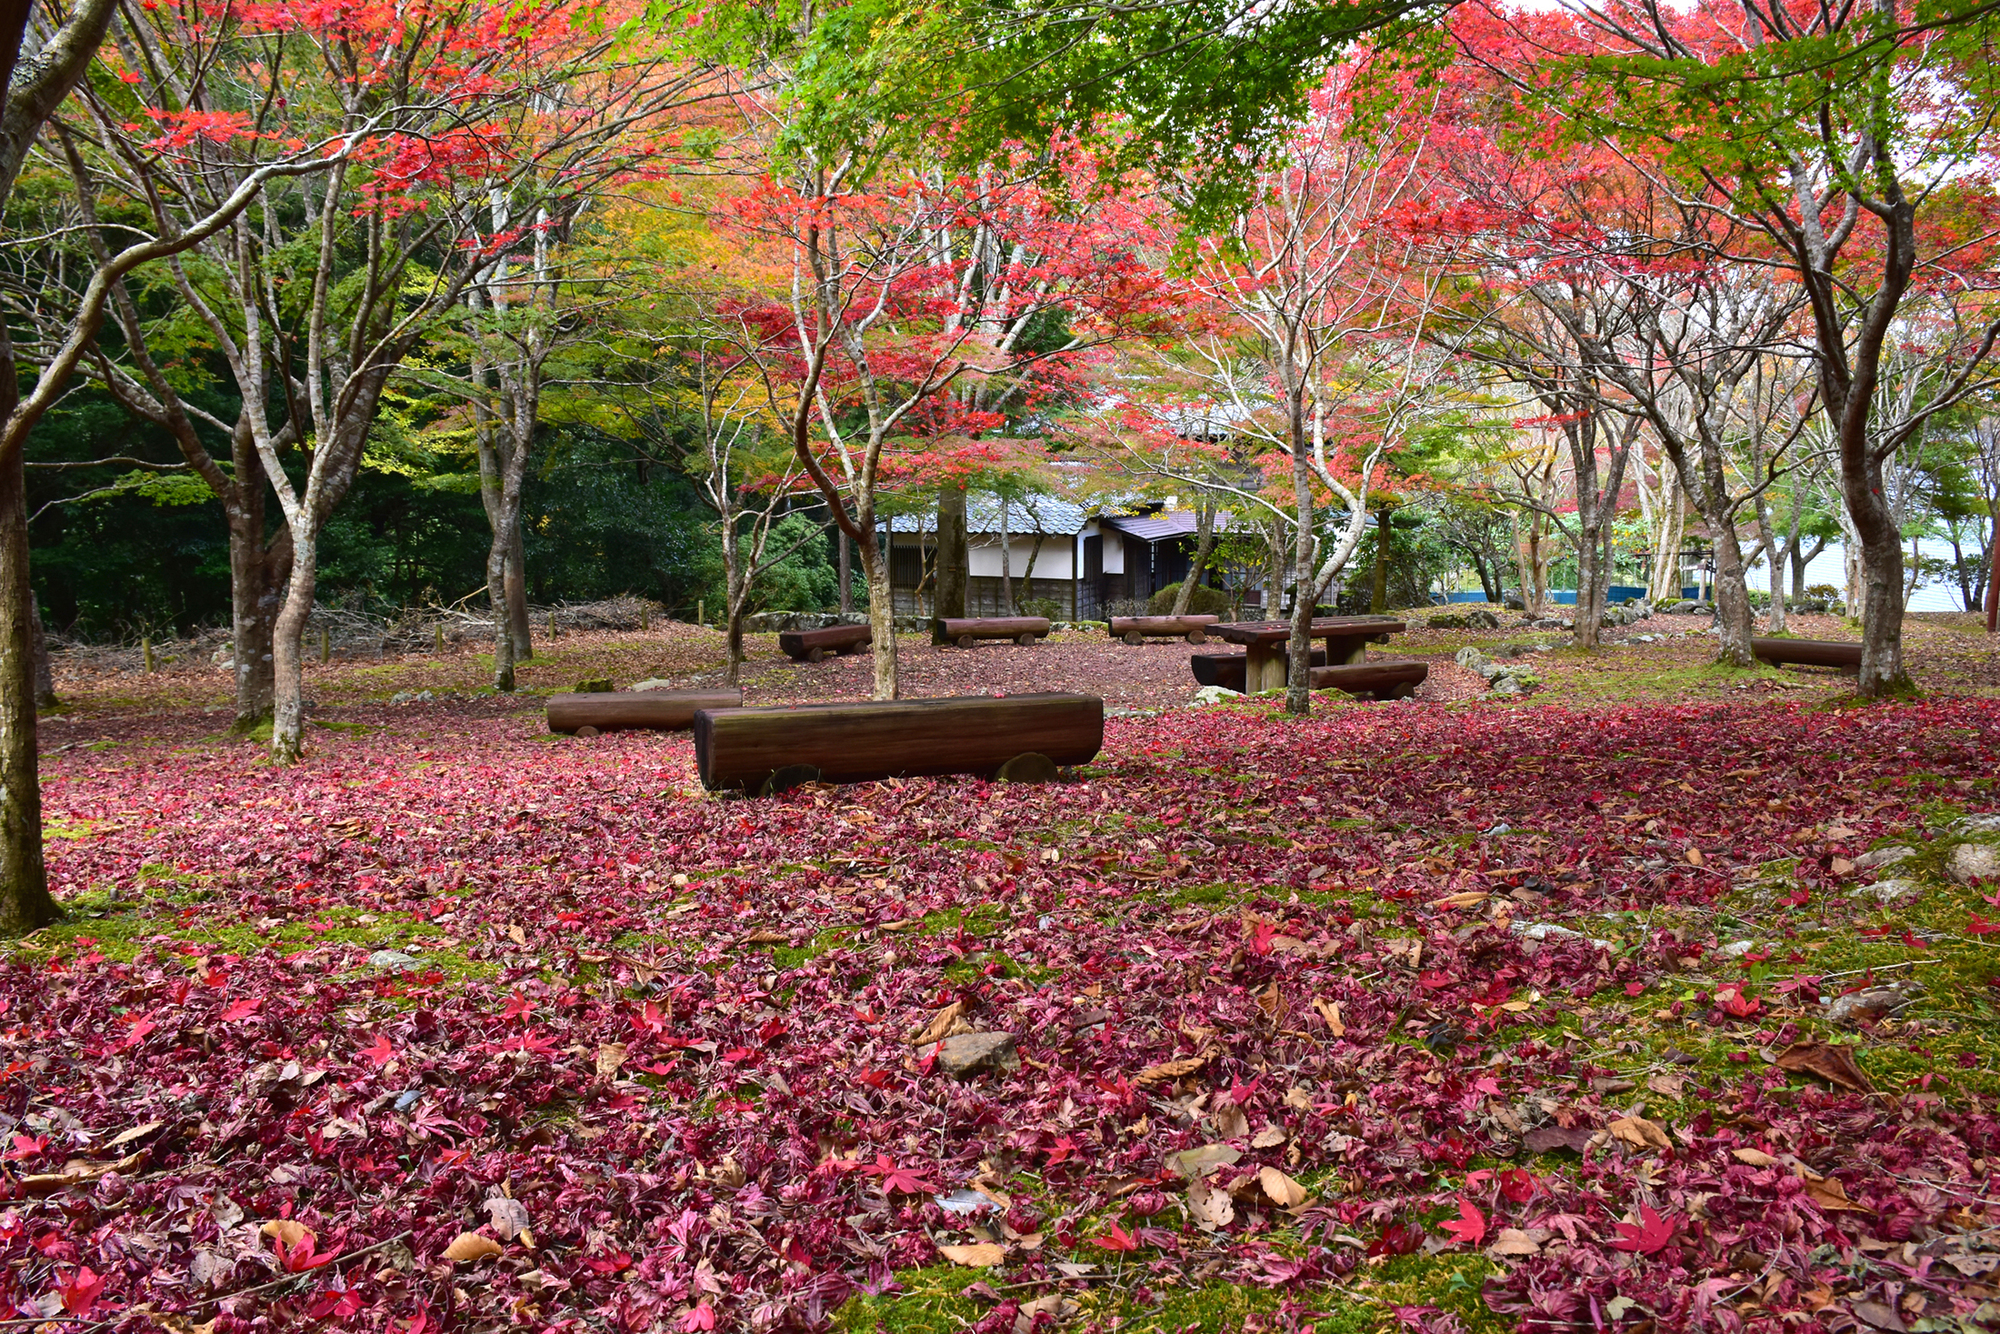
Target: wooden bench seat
(1835, 653)
(1383, 678)
(1227, 669)
(769, 748)
(1137, 629)
(964, 630)
(587, 714)
(814, 645)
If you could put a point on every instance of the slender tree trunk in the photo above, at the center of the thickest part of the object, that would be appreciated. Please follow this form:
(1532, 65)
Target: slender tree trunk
(1587, 624)
(1775, 560)
(1204, 545)
(1378, 592)
(1732, 599)
(881, 613)
(1993, 578)
(951, 556)
(846, 573)
(736, 589)
(1006, 561)
(25, 903)
(1298, 673)
(45, 674)
(1274, 577)
(288, 711)
(497, 552)
(517, 594)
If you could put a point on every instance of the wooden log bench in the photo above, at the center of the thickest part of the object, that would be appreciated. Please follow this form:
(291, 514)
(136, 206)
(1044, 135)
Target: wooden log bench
(964, 630)
(770, 748)
(814, 645)
(1227, 669)
(1383, 678)
(1137, 629)
(588, 714)
(1834, 653)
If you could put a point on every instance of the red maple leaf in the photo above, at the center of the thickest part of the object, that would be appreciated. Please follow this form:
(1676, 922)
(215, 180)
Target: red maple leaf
(1116, 1239)
(242, 1009)
(1470, 1225)
(79, 1291)
(380, 1052)
(897, 1180)
(1649, 1236)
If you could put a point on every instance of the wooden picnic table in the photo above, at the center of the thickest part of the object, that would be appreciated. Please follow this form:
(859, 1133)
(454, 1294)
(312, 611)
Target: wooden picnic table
(1264, 644)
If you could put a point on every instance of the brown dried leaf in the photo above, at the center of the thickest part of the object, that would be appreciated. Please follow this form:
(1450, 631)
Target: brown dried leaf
(1546, 1139)
(941, 1026)
(510, 1216)
(1280, 1189)
(1667, 1084)
(610, 1056)
(764, 935)
(517, 935)
(1694, 856)
(1754, 1157)
(1194, 1163)
(1467, 899)
(1831, 1196)
(1270, 1137)
(1330, 1011)
(1639, 1133)
(1208, 1206)
(1271, 1000)
(1513, 1241)
(467, 1247)
(1834, 1064)
(978, 1255)
(1166, 1070)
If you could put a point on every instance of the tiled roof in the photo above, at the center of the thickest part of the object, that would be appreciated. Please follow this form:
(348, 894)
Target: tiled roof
(1024, 517)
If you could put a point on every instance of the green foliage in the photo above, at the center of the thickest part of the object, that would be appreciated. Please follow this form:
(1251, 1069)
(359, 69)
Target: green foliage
(1205, 602)
(806, 579)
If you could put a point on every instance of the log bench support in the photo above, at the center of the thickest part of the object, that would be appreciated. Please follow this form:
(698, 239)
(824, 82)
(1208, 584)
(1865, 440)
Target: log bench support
(649, 710)
(1136, 630)
(1841, 655)
(772, 747)
(964, 631)
(1383, 678)
(1227, 669)
(814, 645)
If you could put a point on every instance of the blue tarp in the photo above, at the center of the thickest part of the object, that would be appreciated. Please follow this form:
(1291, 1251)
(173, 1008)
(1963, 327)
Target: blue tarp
(1566, 597)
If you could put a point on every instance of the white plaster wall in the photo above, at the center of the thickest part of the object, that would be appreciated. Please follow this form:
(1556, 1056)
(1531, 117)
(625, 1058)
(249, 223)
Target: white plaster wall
(1114, 551)
(1055, 562)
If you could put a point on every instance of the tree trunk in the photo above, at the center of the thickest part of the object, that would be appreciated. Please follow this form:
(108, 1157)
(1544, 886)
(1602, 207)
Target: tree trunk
(517, 594)
(1732, 599)
(498, 552)
(1298, 675)
(288, 711)
(1993, 578)
(952, 561)
(881, 614)
(45, 675)
(1589, 619)
(25, 904)
(1378, 593)
(1006, 561)
(1774, 616)
(1274, 577)
(846, 573)
(1204, 545)
(735, 594)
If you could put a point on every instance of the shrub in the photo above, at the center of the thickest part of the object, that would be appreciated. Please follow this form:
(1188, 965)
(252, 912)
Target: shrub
(1045, 608)
(1205, 602)
(1823, 592)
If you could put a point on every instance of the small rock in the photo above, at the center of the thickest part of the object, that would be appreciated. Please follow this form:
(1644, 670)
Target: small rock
(1214, 695)
(1889, 891)
(971, 1053)
(1869, 1004)
(1981, 824)
(395, 960)
(1471, 657)
(596, 685)
(653, 683)
(1736, 949)
(1881, 857)
(1974, 862)
(1550, 931)
(1504, 685)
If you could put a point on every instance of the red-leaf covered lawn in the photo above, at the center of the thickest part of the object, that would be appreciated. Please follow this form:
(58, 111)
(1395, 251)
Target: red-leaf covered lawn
(1481, 1015)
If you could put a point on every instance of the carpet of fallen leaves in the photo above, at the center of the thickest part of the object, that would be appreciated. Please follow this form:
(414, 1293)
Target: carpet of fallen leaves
(459, 1026)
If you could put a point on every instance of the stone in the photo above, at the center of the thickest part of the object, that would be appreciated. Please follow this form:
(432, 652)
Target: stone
(1981, 824)
(1504, 685)
(1550, 931)
(1870, 1004)
(653, 683)
(594, 685)
(1030, 767)
(394, 960)
(1447, 623)
(1214, 695)
(1881, 857)
(1974, 862)
(1471, 657)
(1889, 891)
(969, 1054)
(1736, 949)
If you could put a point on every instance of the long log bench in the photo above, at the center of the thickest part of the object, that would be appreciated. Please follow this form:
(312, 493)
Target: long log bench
(1227, 669)
(769, 748)
(1383, 678)
(1137, 629)
(965, 630)
(814, 645)
(1839, 654)
(587, 714)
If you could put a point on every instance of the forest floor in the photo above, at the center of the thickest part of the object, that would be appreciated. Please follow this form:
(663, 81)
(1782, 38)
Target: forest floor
(1609, 1007)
